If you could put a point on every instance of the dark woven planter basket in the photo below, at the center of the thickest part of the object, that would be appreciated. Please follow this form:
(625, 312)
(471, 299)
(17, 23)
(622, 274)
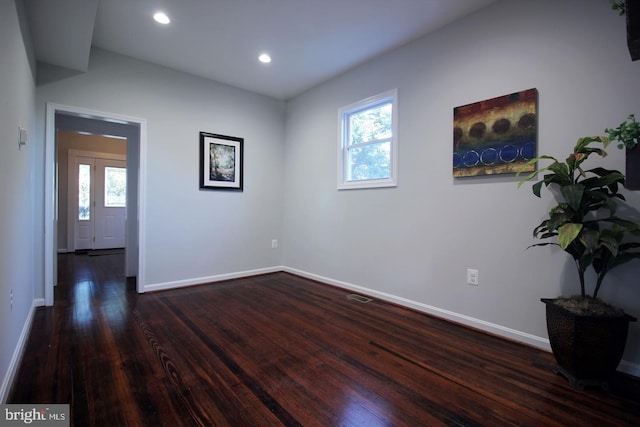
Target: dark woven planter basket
(588, 349)
(633, 28)
(632, 168)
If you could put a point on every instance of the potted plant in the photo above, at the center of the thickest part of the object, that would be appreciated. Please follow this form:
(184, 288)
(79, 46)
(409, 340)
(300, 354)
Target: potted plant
(628, 136)
(587, 336)
(630, 9)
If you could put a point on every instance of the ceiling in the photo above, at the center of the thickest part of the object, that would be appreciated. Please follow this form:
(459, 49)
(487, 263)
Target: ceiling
(310, 41)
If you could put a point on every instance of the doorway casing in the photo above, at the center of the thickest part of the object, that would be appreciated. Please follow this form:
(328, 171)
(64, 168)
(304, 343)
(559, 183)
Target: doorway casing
(135, 241)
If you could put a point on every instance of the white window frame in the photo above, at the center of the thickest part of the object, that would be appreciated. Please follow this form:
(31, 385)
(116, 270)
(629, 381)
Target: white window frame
(343, 140)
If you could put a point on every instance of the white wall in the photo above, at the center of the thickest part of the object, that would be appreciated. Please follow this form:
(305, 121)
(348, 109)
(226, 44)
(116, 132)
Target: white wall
(414, 243)
(17, 92)
(191, 235)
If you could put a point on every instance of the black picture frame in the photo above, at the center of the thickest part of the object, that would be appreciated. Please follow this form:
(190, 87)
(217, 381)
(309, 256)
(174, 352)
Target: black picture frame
(221, 162)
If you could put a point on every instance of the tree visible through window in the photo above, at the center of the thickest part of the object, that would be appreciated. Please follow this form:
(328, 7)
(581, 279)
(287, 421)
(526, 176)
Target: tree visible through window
(115, 187)
(84, 192)
(367, 152)
(369, 143)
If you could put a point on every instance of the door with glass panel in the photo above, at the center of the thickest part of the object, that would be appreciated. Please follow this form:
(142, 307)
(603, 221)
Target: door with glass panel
(100, 219)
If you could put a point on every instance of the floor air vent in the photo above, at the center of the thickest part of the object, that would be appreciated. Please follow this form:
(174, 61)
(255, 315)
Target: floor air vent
(359, 298)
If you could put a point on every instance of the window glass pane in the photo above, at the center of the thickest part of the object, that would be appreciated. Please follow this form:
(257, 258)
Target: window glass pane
(371, 161)
(115, 187)
(370, 125)
(367, 143)
(84, 192)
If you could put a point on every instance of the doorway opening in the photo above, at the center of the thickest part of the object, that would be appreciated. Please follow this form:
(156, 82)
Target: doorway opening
(80, 121)
(92, 191)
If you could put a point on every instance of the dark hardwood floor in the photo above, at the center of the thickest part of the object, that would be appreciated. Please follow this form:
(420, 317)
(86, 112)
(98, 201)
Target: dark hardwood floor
(283, 350)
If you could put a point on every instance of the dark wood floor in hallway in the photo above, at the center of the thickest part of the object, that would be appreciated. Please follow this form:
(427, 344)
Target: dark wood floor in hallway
(283, 350)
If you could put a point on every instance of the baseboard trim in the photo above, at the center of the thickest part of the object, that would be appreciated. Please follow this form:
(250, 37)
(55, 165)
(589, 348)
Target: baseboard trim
(515, 335)
(628, 368)
(209, 279)
(14, 364)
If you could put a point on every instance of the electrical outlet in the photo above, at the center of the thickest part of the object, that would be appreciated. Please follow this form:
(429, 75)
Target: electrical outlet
(472, 277)
(274, 244)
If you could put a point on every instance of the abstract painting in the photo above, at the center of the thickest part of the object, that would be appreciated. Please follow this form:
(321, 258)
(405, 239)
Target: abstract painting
(495, 136)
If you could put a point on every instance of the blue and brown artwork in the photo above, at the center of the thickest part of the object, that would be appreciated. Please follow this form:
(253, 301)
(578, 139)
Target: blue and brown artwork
(495, 136)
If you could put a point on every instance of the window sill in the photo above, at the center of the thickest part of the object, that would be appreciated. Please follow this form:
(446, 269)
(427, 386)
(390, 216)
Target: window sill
(374, 183)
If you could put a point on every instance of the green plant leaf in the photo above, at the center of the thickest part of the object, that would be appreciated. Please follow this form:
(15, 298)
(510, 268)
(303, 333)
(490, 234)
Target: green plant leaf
(567, 233)
(531, 175)
(573, 195)
(543, 232)
(625, 247)
(606, 177)
(623, 259)
(557, 219)
(585, 261)
(618, 5)
(542, 228)
(561, 174)
(543, 244)
(625, 224)
(611, 242)
(547, 235)
(590, 239)
(582, 146)
(627, 133)
(536, 188)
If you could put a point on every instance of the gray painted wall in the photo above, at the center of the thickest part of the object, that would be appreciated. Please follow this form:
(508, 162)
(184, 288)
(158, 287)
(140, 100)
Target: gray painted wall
(190, 234)
(17, 198)
(415, 242)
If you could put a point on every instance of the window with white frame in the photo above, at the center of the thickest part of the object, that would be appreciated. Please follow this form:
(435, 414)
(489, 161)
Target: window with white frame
(367, 143)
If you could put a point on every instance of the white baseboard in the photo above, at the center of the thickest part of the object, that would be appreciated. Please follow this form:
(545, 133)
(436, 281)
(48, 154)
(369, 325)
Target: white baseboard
(629, 368)
(523, 337)
(492, 328)
(209, 279)
(14, 365)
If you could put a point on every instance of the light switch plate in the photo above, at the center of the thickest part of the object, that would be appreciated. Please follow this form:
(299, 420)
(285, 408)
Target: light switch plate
(23, 136)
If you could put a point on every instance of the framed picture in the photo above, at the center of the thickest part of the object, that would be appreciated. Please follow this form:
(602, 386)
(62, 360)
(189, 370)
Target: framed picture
(220, 162)
(496, 136)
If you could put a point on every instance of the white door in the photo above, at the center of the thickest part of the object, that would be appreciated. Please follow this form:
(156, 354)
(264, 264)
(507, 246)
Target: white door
(100, 195)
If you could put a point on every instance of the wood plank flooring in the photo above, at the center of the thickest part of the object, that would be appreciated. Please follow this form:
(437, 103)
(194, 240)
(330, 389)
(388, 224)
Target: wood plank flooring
(283, 350)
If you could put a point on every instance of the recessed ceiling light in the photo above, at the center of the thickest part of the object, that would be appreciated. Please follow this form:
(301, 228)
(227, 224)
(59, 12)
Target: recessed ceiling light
(161, 18)
(264, 58)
